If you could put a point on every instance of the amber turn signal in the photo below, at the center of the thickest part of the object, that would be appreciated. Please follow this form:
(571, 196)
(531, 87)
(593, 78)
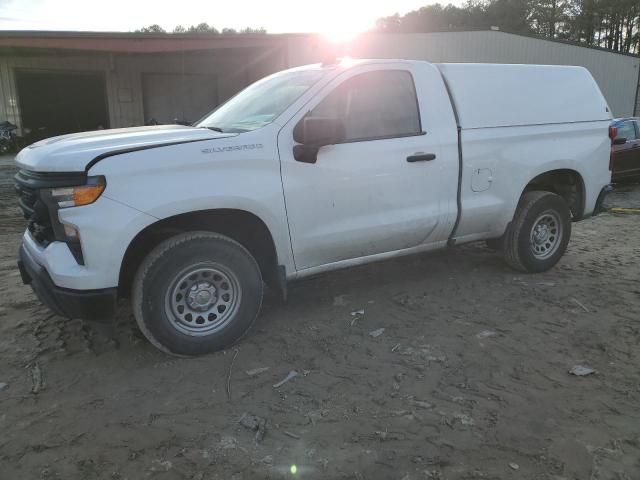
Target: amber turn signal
(88, 194)
(79, 195)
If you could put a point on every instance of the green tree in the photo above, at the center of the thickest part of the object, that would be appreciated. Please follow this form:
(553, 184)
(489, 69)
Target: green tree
(611, 24)
(203, 27)
(155, 28)
(550, 18)
(260, 30)
(509, 15)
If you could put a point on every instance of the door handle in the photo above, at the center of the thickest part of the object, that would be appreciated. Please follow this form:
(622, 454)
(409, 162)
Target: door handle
(421, 157)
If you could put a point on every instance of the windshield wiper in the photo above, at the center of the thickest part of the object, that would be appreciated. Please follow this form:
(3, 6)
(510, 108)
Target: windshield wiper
(215, 129)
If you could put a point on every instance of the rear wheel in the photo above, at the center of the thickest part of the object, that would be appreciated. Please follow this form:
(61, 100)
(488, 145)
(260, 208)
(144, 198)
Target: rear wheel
(196, 293)
(539, 233)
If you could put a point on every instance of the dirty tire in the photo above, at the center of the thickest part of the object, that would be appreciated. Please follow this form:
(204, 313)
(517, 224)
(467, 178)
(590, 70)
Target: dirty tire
(161, 274)
(518, 239)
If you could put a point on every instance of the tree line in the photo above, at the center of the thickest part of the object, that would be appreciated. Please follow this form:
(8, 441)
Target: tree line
(610, 24)
(200, 28)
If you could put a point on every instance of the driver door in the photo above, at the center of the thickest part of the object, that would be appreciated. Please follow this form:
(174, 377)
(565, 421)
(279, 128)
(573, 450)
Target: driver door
(378, 190)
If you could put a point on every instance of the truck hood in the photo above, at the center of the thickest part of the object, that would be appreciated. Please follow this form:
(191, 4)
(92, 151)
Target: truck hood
(72, 153)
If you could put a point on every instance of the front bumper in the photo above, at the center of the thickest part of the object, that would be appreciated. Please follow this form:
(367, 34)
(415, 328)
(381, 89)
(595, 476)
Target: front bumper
(86, 304)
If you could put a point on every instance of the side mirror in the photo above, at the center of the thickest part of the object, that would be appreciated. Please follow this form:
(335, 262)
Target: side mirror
(319, 131)
(619, 141)
(312, 133)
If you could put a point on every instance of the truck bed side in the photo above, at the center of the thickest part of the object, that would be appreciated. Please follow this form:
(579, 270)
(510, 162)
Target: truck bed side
(517, 122)
(499, 163)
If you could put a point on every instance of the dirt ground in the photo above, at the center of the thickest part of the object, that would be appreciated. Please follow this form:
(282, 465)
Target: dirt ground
(468, 380)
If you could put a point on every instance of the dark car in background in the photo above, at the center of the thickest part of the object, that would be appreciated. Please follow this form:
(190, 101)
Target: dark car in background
(625, 155)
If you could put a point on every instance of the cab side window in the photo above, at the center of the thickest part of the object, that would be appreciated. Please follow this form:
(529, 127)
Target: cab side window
(627, 129)
(374, 105)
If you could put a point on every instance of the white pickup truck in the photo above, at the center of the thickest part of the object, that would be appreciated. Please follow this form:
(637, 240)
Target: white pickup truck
(309, 170)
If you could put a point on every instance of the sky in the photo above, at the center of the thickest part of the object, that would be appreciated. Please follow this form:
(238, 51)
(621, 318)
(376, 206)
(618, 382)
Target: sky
(332, 17)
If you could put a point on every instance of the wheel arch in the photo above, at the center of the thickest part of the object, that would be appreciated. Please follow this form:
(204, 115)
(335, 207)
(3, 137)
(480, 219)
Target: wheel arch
(566, 182)
(242, 226)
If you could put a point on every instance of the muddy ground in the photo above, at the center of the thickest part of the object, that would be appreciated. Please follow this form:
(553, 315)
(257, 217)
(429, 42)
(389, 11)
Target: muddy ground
(469, 379)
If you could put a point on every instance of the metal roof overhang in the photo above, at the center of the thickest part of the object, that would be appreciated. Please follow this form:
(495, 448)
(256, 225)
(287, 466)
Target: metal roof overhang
(135, 43)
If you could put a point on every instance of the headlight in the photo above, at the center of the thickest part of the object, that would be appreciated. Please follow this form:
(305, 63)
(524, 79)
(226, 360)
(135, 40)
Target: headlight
(80, 195)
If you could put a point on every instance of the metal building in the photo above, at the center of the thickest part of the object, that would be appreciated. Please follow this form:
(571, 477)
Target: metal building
(59, 82)
(618, 75)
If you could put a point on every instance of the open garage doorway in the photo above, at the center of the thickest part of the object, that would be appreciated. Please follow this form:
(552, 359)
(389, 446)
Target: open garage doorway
(55, 103)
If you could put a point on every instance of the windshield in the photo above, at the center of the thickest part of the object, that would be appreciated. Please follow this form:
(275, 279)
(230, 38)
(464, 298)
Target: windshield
(260, 103)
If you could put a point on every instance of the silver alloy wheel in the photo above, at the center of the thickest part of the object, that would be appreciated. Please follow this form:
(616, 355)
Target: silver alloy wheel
(546, 234)
(203, 299)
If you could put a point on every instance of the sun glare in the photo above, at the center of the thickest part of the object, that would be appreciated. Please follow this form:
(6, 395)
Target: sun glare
(342, 28)
(340, 33)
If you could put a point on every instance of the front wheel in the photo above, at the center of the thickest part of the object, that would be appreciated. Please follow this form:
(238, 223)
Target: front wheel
(539, 233)
(196, 293)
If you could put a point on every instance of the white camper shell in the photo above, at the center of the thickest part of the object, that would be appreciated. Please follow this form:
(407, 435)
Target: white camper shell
(493, 95)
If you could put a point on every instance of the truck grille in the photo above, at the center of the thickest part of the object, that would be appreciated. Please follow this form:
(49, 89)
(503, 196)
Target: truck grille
(36, 213)
(42, 217)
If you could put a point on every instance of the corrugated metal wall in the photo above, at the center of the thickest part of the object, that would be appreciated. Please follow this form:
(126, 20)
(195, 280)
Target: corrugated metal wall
(616, 74)
(234, 69)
